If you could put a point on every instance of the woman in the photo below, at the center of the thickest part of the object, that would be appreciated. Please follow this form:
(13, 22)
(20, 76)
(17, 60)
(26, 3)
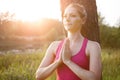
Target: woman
(75, 57)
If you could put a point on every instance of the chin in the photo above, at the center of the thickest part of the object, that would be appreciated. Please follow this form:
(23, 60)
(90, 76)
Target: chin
(67, 27)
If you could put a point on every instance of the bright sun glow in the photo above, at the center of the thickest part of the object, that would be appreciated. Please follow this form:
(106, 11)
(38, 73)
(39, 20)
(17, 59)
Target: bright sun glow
(31, 10)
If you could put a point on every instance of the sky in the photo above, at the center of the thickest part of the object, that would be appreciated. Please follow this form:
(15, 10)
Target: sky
(110, 9)
(35, 9)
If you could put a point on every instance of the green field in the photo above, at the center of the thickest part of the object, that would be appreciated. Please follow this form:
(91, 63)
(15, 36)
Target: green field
(22, 66)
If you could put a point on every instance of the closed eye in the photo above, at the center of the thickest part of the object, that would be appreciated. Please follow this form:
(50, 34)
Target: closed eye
(73, 15)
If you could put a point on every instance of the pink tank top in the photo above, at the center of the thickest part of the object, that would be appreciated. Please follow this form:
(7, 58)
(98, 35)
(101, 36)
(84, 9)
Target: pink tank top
(63, 72)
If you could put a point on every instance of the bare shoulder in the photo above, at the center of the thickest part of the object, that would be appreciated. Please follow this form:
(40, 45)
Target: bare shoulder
(93, 44)
(53, 46)
(93, 47)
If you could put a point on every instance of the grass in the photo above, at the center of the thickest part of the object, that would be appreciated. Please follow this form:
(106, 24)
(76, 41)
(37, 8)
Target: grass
(111, 64)
(22, 66)
(19, 66)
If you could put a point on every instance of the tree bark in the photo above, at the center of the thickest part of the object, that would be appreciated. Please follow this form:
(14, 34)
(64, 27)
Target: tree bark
(90, 29)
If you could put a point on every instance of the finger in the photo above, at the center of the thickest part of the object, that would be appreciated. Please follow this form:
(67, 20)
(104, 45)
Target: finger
(67, 42)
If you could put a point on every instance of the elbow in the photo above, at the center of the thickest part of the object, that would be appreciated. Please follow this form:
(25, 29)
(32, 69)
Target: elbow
(94, 77)
(38, 75)
(37, 78)
(90, 76)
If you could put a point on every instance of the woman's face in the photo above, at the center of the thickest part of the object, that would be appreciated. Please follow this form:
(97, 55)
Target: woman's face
(72, 20)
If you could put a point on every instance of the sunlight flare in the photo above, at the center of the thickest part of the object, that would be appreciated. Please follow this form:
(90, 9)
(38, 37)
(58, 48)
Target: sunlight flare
(31, 10)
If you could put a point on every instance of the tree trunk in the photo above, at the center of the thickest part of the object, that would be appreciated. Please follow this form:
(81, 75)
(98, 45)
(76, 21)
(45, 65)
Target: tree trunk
(91, 29)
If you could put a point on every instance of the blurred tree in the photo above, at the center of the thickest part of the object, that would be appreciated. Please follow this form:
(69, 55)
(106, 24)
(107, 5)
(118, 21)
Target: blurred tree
(6, 23)
(118, 22)
(5, 17)
(91, 28)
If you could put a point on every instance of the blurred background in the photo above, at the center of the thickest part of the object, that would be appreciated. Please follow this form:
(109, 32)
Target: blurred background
(29, 26)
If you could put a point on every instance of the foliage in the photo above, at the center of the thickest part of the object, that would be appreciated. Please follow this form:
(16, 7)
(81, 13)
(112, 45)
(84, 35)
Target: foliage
(110, 36)
(47, 29)
(26, 33)
(37, 28)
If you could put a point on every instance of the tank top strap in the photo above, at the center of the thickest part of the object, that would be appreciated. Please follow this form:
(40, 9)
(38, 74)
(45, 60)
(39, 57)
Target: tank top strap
(84, 44)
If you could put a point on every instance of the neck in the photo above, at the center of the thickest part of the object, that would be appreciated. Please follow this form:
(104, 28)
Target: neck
(75, 37)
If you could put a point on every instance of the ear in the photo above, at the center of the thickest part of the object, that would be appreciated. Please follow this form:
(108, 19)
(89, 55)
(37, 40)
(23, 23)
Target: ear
(84, 20)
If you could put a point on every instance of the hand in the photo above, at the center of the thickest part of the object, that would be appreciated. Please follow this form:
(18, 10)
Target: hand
(66, 54)
(59, 60)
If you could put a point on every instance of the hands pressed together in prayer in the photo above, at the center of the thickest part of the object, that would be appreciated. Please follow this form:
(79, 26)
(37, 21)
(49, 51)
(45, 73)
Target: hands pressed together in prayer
(65, 53)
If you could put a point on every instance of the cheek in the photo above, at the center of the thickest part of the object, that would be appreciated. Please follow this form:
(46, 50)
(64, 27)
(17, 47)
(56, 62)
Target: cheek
(77, 22)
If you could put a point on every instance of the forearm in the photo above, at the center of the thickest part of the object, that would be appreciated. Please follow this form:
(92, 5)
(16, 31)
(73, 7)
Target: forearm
(44, 72)
(80, 72)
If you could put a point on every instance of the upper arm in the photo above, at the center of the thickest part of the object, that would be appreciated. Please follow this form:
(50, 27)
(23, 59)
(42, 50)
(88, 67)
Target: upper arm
(49, 55)
(95, 59)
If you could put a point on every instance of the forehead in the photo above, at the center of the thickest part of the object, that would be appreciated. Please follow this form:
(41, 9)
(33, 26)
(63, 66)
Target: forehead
(70, 10)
